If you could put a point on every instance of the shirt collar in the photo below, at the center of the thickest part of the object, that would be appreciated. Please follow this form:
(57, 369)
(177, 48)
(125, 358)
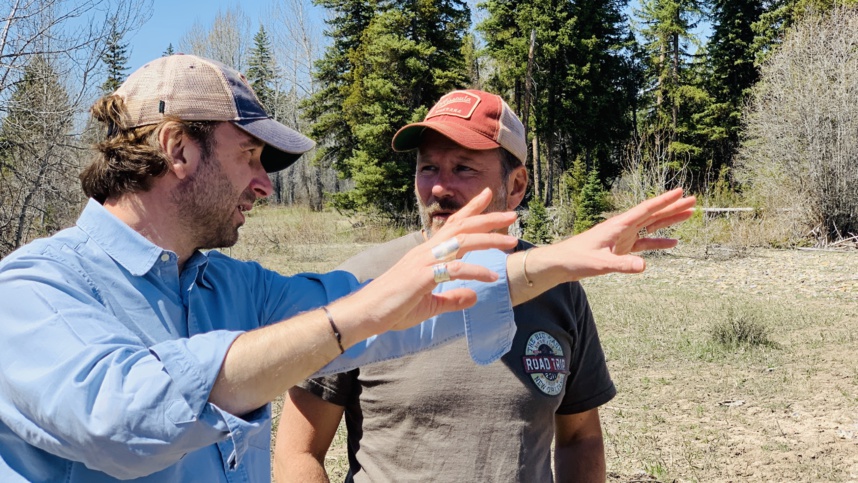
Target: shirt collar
(121, 242)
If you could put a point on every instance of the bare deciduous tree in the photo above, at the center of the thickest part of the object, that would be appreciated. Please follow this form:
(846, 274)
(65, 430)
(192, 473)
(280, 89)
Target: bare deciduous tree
(50, 54)
(649, 168)
(298, 44)
(227, 40)
(800, 155)
(39, 161)
(71, 33)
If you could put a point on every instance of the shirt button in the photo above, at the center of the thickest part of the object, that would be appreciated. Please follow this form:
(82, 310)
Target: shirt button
(165, 257)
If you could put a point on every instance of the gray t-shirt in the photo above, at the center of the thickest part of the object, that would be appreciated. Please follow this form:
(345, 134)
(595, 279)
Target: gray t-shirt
(437, 416)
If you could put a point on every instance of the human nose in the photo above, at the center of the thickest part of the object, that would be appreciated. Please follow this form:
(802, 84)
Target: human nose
(442, 185)
(261, 183)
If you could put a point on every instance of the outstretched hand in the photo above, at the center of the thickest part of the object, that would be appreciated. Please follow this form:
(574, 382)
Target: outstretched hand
(606, 247)
(402, 297)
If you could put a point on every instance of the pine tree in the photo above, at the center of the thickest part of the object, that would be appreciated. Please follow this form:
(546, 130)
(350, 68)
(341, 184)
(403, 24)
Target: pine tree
(406, 57)
(536, 225)
(346, 23)
(780, 15)
(667, 38)
(115, 59)
(730, 73)
(262, 70)
(169, 51)
(591, 203)
(673, 81)
(580, 92)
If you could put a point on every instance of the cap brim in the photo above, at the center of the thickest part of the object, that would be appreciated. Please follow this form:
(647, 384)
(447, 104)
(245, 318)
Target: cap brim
(284, 145)
(408, 137)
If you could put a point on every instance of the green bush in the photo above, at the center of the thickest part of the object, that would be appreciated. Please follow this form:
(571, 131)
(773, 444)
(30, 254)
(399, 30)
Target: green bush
(537, 224)
(590, 203)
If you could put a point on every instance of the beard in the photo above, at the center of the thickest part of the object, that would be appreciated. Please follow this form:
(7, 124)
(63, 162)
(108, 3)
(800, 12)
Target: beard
(206, 202)
(449, 205)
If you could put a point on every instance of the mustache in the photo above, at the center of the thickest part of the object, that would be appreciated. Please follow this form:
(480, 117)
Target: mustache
(445, 204)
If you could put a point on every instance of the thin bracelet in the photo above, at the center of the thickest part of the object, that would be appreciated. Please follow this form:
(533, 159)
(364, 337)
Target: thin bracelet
(334, 328)
(524, 266)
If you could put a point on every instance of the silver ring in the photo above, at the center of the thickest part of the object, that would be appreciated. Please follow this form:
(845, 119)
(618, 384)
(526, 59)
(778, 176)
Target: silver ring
(643, 233)
(440, 273)
(446, 250)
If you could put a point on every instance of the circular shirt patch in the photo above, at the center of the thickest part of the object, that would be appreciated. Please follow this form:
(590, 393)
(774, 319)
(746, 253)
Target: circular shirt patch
(543, 360)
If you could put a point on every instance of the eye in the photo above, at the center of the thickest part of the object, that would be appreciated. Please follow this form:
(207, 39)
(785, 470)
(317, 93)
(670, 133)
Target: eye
(426, 168)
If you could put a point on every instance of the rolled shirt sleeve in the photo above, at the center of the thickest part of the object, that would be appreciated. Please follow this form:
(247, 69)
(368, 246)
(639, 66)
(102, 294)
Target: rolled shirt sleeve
(109, 353)
(489, 325)
(80, 385)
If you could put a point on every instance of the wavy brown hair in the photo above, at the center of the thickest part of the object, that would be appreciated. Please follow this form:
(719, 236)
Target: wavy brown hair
(127, 160)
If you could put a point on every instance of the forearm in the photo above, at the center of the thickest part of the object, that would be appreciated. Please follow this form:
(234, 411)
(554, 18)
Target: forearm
(262, 364)
(300, 468)
(531, 276)
(582, 461)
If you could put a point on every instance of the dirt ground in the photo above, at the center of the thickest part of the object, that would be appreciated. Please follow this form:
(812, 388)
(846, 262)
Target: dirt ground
(690, 409)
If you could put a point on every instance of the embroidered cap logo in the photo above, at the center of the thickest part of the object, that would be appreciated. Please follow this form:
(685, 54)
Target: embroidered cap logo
(460, 104)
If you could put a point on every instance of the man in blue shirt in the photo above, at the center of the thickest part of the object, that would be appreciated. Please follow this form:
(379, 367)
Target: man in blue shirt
(126, 352)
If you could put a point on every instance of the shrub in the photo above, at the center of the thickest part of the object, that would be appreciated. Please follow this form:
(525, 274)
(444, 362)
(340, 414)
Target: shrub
(537, 223)
(741, 327)
(798, 158)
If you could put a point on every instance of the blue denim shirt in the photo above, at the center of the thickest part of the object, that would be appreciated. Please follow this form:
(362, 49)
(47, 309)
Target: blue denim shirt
(108, 354)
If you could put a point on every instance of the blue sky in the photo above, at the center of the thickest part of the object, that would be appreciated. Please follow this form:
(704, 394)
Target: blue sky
(171, 19)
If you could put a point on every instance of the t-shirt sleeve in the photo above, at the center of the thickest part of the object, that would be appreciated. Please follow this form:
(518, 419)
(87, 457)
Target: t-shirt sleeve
(589, 384)
(336, 389)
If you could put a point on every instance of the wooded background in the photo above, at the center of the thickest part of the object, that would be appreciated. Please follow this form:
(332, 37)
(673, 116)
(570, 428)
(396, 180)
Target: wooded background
(745, 103)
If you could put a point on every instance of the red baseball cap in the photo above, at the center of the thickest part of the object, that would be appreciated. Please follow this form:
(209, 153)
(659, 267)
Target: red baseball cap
(472, 119)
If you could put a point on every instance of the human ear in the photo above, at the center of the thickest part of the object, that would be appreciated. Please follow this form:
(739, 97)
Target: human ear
(180, 152)
(516, 187)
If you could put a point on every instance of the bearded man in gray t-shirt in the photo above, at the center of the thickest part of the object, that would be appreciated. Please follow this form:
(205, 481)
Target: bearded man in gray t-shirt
(436, 416)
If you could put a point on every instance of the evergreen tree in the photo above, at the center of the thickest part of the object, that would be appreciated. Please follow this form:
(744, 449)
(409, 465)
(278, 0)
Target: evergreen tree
(115, 58)
(780, 15)
(262, 70)
(536, 225)
(333, 72)
(673, 83)
(169, 51)
(668, 36)
(37, 160)
(409, 57)
(730, 73)
(579, 95)
(591, 203)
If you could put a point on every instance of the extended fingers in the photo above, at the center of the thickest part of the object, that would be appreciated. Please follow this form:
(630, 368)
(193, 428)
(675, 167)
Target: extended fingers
(483, 223)
(643, 211)
(679, 206)
(647, 244)
(460, 270)
(484, 241)
(665, 222)
(452, 300)
(477, 205)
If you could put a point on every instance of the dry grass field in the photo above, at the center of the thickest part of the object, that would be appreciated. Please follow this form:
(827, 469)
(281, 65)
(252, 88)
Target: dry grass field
(730, 365)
